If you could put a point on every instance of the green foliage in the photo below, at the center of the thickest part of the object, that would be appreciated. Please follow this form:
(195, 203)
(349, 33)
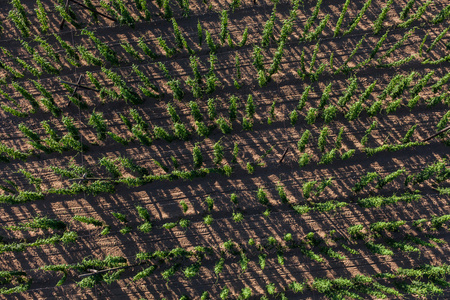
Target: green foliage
(144, 273)
(162, 43)
(42, 16)
(398, 44)
(323, 138)
(267, 33)
(442, 15)
(208, 219)
(341, 18)
(110, 166)
(312, 18)
(179, 39)
(262, 197)
(420, 11)
(223, 26)
(355, 230)
(130, 50)
(358, 17)
(438, 85)
(173, 113)
(303, 98)
(19, 18)
(224, 293)
(304, 159)
(388, 226)
(325, 96)
(406, 9)
(329, 113)
(181, 132)
(202, 129)
(368, 132)
(282, 193)
(372, 151)
(315, 34)
(346, 155)
(209, 202)
(119, 216)
(218, 152)
(314, 56)
(88, 220)
(184, 223)
(379, 44)
(39, 222)
(246, 293)
(21, 197)
(307, 188)
(98, 122)
(297, 287)
(244, 37)
(364, 181)
(144, 47)
(195, 111)
(328, 157)
(378, 24)
(437, 169)
(209, 40)
(143, 213)
(301, 145)
(106, 51)
(197, 155)
(378, 201)
(293, 117)
(232, 108)
(224, 126)
(311, 115)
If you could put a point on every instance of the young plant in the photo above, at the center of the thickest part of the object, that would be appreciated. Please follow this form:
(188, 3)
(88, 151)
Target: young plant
(98, 122)
(218, 153)
(341, 18)
(197, 155)
(378, 24)
(323, 138)
(262, 197)
(223, 26)
(358, 17)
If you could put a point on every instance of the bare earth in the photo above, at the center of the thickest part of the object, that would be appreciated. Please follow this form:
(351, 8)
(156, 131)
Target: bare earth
(162, 197)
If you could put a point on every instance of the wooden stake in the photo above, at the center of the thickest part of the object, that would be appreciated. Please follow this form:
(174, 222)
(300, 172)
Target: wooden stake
(284, 154)
(61, 25)
(76, 88)
(93, 10)
(80, 86)
(436, 134)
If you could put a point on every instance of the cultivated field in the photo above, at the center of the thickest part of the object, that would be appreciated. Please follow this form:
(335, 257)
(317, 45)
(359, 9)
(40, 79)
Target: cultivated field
(224, 150)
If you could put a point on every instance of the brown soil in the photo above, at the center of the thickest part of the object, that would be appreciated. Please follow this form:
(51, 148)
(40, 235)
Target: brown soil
(162, 198)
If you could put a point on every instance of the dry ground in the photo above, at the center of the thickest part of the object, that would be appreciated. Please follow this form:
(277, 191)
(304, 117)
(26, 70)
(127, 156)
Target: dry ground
(162, 198)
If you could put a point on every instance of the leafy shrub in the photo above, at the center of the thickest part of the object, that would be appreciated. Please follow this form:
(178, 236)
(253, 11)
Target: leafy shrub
(98, 122)
(304, 159)
(88, 220)
(198, 158)
(181, 132)
(301, 145)
(323, 138)
(262, 197)
(311, 115)
(364, 181)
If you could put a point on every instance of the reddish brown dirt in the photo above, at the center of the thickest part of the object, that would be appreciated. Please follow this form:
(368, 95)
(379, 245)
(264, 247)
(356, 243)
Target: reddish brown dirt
(162, 198)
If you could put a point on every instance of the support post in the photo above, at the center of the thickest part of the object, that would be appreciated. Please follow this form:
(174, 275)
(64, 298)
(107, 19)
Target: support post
(436, 134)
(284, 154)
